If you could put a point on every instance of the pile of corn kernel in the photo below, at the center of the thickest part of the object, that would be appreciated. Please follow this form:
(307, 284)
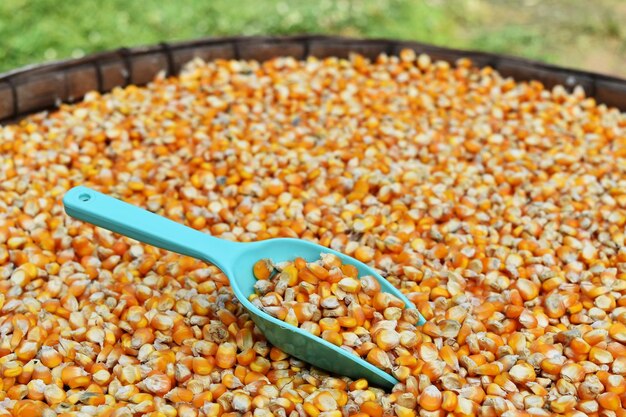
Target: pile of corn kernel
(329, 299)
(496, 205)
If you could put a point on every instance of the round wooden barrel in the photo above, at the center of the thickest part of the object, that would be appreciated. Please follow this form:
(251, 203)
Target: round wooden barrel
(43, 87)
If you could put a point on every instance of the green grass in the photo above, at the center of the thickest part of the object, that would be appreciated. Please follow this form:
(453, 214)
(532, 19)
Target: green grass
(568, 32)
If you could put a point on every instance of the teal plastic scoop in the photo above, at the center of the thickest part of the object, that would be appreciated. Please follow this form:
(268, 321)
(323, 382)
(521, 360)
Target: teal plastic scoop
(236, 261)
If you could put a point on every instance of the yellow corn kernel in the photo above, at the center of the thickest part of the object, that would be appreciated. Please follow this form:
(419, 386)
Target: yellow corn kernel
(387, 339)
(263, 269)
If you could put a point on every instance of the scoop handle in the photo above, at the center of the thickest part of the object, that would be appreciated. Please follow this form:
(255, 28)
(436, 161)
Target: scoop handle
(117, 216)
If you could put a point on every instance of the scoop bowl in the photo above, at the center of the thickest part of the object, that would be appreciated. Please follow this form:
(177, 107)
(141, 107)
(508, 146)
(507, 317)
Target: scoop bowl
(236, 261)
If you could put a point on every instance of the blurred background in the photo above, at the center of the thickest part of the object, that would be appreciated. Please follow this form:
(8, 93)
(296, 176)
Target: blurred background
(581, 34)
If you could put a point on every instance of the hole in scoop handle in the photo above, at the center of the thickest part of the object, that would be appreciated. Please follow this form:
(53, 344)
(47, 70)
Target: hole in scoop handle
(117, 216)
